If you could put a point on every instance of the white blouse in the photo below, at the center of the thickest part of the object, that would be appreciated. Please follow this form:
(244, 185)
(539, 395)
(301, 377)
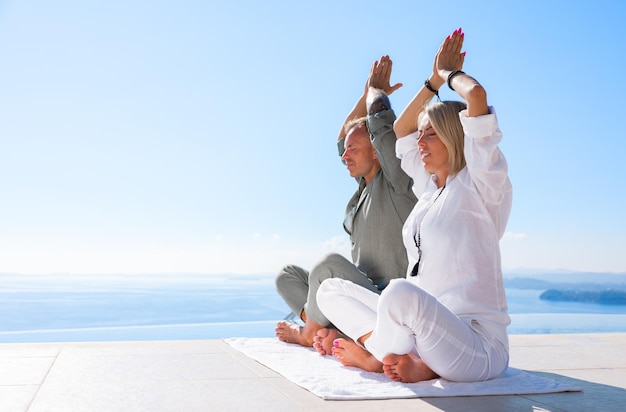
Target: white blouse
(460, 226)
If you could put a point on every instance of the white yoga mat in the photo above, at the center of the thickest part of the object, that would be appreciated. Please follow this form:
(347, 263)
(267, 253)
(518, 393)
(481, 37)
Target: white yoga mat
(329, 379)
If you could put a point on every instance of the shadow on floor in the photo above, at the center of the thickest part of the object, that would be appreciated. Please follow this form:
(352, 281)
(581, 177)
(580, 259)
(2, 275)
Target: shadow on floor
(594, 397)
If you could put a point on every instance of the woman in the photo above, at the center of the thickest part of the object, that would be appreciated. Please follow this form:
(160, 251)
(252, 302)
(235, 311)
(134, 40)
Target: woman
(448, 318)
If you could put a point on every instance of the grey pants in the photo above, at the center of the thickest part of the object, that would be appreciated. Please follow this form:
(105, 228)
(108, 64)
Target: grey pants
(298, 288)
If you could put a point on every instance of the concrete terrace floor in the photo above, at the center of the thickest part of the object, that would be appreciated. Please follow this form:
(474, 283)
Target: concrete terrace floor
(211, 376)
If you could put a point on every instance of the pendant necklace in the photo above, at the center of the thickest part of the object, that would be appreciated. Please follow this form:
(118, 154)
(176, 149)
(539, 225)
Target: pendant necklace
(418, 239)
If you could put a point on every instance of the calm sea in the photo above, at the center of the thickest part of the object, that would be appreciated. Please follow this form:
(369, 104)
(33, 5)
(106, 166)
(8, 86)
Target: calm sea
(161, 307)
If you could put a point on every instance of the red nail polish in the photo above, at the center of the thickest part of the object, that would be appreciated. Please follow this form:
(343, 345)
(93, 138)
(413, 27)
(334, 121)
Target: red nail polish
(335, 343)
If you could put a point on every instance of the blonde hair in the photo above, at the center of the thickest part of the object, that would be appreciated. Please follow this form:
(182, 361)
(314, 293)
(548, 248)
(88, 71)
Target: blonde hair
(444, 118)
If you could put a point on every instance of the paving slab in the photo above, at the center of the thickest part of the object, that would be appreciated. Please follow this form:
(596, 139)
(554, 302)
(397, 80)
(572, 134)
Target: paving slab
(209, 375)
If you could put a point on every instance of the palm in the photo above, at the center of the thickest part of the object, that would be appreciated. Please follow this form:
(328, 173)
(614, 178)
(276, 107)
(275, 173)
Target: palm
(449, 56)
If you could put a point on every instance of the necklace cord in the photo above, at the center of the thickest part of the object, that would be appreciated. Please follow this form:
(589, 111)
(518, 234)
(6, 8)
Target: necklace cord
(418, 241)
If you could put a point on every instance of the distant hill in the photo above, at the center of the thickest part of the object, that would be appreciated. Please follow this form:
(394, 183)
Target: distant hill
(602, 288)
(567, 276)
(565, 280)
(604, 297)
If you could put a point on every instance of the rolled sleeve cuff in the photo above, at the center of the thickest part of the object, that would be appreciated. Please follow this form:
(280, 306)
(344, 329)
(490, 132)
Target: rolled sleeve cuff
(406, 144)
(380, 122)
(341, 146)
(479, 126)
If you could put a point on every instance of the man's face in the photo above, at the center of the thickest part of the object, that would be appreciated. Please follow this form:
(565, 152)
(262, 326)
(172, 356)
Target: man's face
(359, 154)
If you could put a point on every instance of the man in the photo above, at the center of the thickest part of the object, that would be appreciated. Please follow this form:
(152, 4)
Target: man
(374, 215)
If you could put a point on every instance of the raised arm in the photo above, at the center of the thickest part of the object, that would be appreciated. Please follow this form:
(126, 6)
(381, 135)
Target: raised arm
(379, 78)
(407, 121)
(448, 62)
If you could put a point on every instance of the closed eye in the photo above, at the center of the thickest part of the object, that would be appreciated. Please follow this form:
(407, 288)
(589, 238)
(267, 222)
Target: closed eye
(426, 134)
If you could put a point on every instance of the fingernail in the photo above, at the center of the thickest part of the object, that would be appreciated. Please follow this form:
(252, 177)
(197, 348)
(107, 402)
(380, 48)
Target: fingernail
(336, 343)
(463, 54)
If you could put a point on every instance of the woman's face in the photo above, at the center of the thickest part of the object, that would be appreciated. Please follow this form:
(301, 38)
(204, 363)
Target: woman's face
(433, 152)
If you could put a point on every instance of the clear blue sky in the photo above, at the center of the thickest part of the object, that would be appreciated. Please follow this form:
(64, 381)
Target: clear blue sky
(199, 136)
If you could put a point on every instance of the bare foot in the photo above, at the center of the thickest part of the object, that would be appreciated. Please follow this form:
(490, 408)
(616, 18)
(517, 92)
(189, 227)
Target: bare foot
(324, 338)
(351, 354)
(407, 368)
(288, 332)
(292, 333)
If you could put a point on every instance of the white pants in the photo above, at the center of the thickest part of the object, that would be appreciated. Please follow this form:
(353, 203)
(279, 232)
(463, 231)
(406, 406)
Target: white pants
(404, 319)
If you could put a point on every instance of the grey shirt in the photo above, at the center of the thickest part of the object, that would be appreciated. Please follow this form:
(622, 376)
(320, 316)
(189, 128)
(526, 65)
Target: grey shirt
(376, 212)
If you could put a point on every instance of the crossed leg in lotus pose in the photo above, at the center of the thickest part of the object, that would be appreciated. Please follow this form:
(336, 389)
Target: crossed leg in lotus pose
(407, 368)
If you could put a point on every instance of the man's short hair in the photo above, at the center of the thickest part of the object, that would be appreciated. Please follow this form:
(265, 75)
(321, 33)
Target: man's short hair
(352, 123)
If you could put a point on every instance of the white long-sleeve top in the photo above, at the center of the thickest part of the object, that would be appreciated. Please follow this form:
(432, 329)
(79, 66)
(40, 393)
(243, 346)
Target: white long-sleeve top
(460, 229)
